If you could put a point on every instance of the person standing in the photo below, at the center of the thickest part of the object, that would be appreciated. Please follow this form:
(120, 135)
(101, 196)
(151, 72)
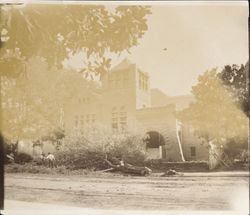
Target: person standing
(51, 160)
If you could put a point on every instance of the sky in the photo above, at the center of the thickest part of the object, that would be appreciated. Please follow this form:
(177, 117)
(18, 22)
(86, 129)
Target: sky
(197, 37)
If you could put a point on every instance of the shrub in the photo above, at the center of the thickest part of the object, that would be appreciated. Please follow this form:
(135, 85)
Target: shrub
(130, 148)
(80, 153)
(81, 159)
(236, 149)
(22, 158)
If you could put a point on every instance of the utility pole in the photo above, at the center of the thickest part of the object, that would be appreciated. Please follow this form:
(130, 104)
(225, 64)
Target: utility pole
(1, 154)
(1, 148)
(1, 117)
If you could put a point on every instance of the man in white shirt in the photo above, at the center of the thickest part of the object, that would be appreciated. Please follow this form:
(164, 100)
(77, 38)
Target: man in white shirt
(51, 159)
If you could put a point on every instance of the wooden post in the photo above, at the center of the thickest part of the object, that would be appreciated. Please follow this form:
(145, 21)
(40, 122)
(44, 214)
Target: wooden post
(1, 154)
(160, 151)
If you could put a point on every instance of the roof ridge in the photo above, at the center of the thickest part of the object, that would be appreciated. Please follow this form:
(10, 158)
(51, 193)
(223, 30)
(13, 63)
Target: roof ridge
(124, 64)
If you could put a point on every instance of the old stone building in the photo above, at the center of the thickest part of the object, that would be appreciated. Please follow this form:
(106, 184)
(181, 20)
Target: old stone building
(125, 103)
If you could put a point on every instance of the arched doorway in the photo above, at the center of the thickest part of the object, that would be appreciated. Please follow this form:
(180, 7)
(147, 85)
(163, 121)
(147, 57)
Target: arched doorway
(155, 144)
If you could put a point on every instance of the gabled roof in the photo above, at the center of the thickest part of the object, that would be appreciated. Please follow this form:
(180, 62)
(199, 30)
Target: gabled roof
(124, 64)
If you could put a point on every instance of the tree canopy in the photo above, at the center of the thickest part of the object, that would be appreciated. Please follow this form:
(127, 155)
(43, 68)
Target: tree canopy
(33, 102)
(235, 78)
(56, 31)
(37, 38)
(214, 115)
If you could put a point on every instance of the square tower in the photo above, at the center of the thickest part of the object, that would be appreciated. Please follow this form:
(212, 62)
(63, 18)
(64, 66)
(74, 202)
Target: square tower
(124, 90)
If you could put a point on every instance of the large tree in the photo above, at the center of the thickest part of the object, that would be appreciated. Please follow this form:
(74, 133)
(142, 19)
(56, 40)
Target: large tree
(33, 102)
(37, 38)
(235, 78)
(214, 115)
(58, 31)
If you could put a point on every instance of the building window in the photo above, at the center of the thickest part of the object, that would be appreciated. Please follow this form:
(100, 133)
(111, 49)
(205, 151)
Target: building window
(84, 100)
(115, 125)
(93, 119)
(140, 84)
(119, 119)
(86, 123)
(122, 108)
(123, 126)
(114, 120)
(82, 121)
(143, 81)
(123, 119)
(193, 151)
(88, 118)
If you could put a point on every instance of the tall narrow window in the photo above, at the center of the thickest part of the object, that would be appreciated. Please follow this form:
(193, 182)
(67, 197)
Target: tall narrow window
(114, 118)
(119, 119)
(123, 121)
(82, 121)
(193, 151)
(145, 83)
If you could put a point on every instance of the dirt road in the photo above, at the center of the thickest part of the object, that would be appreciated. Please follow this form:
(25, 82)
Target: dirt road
(188, 192)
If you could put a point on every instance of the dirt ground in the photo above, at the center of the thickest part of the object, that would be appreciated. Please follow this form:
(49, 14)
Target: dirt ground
(188, 192)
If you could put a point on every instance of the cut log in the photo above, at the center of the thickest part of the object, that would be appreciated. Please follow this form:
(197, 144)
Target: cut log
(130, 169)
(171, 172)
(107, 170)
(10, 157)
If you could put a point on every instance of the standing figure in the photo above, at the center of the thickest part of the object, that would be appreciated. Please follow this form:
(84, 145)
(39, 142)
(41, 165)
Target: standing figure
(42, 158)
(51, 160)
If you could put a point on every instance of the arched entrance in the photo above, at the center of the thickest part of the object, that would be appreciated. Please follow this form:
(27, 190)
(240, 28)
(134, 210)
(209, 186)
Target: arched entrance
(155, 145)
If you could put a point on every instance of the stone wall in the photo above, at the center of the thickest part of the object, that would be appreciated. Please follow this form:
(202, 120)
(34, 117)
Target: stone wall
(161, 165)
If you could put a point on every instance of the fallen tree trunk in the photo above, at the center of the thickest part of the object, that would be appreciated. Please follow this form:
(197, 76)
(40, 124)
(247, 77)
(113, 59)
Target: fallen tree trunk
(107, 170)
(130, 169)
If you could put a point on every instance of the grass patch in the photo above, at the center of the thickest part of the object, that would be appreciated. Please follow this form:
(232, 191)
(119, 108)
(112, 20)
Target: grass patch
(60, 170)
(31, 168)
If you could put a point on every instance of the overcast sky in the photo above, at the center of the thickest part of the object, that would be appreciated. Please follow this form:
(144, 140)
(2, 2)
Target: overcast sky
(197, 38)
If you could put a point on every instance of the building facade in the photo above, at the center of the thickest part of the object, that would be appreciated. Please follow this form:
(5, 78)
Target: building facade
(123, 104)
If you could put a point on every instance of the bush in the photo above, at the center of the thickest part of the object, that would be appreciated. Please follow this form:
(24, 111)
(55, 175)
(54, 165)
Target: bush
(22, 158)
(81, 159)
(131, 149)
(236, 149)
(82, 154)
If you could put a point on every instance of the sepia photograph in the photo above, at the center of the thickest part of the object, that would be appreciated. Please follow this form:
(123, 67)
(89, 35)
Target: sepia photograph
(124, 107)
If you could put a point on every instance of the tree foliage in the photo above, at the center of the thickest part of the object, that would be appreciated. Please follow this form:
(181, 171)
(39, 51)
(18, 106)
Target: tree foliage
(38, 38)
(80, 152)
(58, 31)
(33, 101)
(214, 115)
(234, 77)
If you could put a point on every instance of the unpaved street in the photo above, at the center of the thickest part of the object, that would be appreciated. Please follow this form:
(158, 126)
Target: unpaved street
(190, 192)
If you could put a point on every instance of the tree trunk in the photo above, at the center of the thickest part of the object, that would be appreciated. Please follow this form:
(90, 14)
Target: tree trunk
(130, 169)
